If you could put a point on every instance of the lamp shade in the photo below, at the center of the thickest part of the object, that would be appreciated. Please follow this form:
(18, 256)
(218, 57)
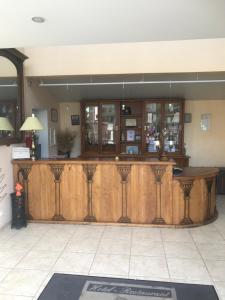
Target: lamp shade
(5, 124)
(31, 123)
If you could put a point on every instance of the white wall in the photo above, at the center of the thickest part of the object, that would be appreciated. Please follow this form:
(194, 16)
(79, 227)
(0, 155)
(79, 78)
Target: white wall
(203, 55)
(206, 148)
(7, 69)
(6, 171)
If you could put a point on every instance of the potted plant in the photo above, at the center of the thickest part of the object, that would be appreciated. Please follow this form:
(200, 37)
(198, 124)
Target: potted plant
(65, 142)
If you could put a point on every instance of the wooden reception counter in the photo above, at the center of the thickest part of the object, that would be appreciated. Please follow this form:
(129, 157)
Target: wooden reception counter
(138, 192)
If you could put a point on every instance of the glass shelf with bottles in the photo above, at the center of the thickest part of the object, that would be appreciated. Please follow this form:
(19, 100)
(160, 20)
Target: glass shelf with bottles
(152, 127)
(172, 124)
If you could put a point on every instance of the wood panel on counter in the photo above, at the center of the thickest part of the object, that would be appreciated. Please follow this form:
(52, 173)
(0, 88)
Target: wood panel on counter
(138, 192)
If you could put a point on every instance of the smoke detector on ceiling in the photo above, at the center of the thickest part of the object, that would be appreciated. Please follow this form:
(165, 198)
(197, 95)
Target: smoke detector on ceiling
(38, 19)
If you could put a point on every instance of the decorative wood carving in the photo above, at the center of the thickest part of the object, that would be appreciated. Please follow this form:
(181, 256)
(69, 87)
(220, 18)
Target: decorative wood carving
(124, 171)
(158, 172)
(57, 171)
(24, 170)
(89, 171)
(209, 183)
(186, 186)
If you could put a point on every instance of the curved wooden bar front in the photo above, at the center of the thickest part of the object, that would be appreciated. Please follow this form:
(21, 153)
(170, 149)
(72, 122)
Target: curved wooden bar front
(137, 192)
(194, 196)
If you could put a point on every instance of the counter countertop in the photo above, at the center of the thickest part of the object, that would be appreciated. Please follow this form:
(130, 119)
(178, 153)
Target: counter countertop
(94, 161)
(195, 172)
(188, 172)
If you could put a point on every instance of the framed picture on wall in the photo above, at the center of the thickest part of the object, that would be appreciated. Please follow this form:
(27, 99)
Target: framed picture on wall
(54, 115)
(75, 120)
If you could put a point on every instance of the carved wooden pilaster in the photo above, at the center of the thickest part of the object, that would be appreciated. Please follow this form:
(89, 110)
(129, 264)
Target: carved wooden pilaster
(124, 171)
(24, 170)
(209, 183)
(186, 186)
(89, 171)
(158, 172)
(57, 171)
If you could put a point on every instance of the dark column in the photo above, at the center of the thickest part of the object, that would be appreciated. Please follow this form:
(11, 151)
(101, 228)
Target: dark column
(89, 171)
(124, 171)
(209, 183)
(158, 172)
(57, 171)
(186, 186)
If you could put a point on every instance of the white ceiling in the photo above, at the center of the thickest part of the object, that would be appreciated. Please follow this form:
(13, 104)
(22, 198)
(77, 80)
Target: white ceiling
(72, 22)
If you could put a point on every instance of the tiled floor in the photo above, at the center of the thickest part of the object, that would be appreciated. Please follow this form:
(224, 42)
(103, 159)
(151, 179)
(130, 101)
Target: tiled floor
(29, 257)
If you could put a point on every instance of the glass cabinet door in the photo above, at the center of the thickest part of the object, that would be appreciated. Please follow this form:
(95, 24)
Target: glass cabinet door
(108, 128)
(91, 137)
(172, 123)
(152, 126)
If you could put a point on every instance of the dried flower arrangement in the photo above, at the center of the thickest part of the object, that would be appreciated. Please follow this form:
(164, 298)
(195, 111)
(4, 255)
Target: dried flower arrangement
(65, 141)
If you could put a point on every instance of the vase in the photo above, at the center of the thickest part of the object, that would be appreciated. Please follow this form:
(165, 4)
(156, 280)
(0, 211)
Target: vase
(18, 211)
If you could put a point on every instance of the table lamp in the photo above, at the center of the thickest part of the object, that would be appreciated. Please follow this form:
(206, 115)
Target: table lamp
(5, 125)
(32, 124)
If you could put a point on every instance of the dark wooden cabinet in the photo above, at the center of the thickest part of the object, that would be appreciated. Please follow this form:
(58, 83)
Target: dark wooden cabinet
(100, 128)
(133, 129)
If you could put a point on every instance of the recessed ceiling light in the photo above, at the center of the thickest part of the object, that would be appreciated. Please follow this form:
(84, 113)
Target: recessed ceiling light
(38, 19)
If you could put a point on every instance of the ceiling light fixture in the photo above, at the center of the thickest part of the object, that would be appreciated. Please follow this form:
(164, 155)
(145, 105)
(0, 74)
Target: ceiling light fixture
(8, 85)
(38, 19)
(134, 82)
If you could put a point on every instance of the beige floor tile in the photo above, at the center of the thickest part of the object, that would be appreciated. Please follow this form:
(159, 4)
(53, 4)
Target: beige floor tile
(85, 245)
(6, 233)
(207, 237)
(61, 235)
(47, 244)
(18, 242)
(216, 269)
(176, 235)
(88, 232)
(78, 263)
(38, 260)
(10, 257)
(114, 246)
(3, 273)
(212, 251)
(11, 297)
(117, 232)
(193, 269)
(220, 288)
(43, 285)
(204, 228)
(148, 267)
(147, 248)
(181, 250)
(110, 264)
(152, 234)
(22, 282)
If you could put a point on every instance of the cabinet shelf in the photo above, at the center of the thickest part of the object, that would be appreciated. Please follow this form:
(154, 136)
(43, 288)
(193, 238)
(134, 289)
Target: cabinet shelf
(130, 142)
(132, 127)
(131, 116)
